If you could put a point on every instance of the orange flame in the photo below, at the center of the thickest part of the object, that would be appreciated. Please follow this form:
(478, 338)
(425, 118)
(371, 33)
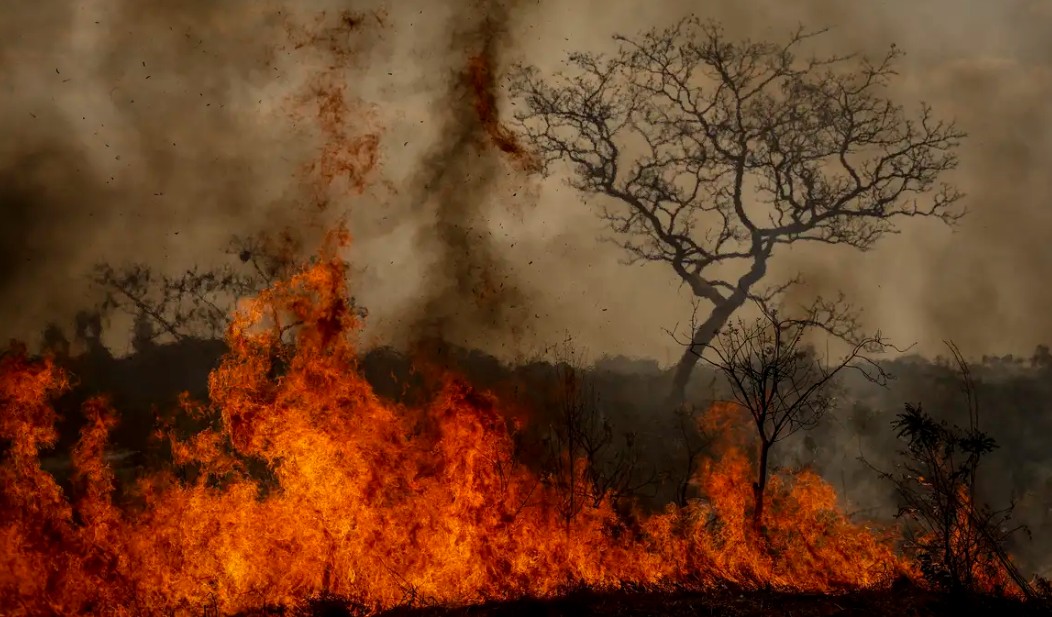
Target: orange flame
(362, 498)
(347, 155)
(483, 84)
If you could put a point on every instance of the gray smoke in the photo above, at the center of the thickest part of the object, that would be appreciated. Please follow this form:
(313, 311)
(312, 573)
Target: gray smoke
(152, 131)
(130, 122)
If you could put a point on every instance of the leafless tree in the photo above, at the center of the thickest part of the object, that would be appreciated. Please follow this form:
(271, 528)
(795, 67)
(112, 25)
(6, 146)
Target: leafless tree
(693, 442)
(709, 154)
(780, 380)
(198, 301)
(587, 461)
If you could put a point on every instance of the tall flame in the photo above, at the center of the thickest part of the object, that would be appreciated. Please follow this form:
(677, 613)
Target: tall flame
(364, 499)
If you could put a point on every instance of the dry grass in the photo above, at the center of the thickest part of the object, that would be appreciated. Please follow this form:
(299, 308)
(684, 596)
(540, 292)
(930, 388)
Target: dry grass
(900, 601)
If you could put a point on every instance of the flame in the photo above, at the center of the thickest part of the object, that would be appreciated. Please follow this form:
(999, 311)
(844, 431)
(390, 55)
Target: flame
(362, 498)
(349, 142)
(483, 84)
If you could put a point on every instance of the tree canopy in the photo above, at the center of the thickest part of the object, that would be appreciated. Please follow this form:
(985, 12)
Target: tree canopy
(710, 154)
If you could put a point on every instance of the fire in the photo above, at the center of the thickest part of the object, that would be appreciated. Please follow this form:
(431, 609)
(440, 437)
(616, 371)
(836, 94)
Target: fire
(360, 498)
(345, 158)
(483, 83)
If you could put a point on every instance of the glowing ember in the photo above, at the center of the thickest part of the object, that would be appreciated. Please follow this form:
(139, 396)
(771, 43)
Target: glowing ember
(367, 500)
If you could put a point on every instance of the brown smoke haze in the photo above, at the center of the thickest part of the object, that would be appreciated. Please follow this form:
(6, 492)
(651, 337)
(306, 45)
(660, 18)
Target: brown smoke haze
(153, 131)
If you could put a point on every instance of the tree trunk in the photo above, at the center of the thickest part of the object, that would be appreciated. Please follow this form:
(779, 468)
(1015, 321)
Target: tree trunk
(760, 486)
(701, 339)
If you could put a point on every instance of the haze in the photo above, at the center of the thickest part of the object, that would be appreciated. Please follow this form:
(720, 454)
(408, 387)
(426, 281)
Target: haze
(153, 131)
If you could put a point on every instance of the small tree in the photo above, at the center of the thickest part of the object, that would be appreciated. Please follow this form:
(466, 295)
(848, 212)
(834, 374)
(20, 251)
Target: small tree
(587, 462)
(710, 154)
(780, 381)
(693, 443)
(959, 541)
(199, 301)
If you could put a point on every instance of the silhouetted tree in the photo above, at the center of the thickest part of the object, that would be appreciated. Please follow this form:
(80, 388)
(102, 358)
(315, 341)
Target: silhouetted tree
(199, 301)
(587, 461)
(693, 443)
(780, 380)
(1041, 357)
(960, 543)
(709, 154)
(53, 340)
(143, 333)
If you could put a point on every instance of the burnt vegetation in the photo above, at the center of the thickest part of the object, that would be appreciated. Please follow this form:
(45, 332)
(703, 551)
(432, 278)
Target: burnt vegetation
(958, 539)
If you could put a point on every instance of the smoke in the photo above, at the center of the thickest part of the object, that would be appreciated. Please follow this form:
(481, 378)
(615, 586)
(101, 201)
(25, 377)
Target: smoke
(153, 131)
(979, 284)
(471, 290)
(131, 133)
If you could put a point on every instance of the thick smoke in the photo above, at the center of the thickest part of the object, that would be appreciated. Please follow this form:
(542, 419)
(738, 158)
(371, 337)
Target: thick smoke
(146, 132)
(152, 131)
(980, 284)
(126, 137)
(471, 292)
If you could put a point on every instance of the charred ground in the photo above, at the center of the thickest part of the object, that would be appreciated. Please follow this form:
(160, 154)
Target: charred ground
(728, 603)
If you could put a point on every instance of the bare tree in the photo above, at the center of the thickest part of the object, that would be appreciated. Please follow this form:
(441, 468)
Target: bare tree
(783, 384)
(198, 301)
(693, 442)
(709, 154)
(587, 462)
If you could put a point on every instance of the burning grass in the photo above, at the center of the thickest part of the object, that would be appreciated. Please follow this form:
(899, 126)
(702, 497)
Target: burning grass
(902, 600)
(375, 503)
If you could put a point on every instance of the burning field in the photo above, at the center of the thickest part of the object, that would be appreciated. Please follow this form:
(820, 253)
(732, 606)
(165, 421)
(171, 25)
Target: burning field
(365, 500)
(294, 485)
(300, 483)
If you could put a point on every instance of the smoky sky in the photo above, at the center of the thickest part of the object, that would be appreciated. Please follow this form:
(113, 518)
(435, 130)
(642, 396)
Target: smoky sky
(471, 291)
(122, 142)
(152, 131)
(985, 64)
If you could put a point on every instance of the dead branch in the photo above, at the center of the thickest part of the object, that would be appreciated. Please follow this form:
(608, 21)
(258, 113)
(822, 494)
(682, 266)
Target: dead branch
(708, 154)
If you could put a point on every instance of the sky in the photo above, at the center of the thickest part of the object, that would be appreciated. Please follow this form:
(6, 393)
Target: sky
(152, 131)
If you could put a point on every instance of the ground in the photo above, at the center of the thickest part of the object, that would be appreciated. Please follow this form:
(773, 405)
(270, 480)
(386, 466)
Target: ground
(898, 602)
